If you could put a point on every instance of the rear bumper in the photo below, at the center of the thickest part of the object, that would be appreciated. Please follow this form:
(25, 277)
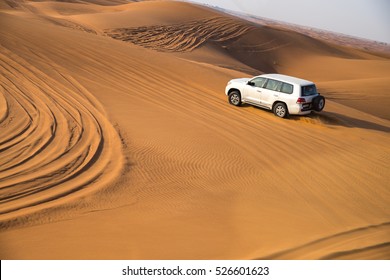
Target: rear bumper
(301, 109)
(306, 107)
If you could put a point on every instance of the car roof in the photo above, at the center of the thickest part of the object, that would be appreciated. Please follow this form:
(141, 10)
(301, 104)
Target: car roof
(287, 79)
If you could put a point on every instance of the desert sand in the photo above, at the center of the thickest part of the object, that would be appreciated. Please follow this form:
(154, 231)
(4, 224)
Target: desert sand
(117, 140)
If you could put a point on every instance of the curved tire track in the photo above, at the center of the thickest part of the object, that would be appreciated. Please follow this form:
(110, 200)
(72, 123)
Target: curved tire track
(56, 141)
(183, 37)
(342, 245)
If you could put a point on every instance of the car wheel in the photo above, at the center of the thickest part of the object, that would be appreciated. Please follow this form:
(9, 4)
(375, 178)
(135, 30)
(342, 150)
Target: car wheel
(235, 98)
(319, 103)
(280, 110)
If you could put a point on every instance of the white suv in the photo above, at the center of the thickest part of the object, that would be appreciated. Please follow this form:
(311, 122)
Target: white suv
(282, 94)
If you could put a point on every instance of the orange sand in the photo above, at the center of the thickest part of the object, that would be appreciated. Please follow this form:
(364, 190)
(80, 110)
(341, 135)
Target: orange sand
(114, 149)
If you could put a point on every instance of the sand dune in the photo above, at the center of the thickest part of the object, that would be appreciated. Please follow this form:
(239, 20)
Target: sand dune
(113, 150)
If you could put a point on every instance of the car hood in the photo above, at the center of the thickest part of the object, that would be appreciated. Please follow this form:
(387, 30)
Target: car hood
(240, 81)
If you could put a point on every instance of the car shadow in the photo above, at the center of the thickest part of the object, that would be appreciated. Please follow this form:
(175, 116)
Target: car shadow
(331, 119)
(336, 119)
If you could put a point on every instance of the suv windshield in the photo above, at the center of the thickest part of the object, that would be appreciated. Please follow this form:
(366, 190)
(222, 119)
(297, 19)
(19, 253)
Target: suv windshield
(309, 90)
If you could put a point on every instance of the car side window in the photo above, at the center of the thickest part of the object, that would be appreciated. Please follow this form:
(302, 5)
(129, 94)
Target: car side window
(273, 85)
(258, 82)
(287, 88)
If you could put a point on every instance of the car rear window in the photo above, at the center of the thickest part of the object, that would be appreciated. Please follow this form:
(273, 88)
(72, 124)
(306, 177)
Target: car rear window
(287, 88)
(309, 90)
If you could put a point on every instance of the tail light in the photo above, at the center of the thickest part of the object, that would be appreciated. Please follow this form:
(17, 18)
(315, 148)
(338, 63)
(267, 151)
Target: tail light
(301, 100)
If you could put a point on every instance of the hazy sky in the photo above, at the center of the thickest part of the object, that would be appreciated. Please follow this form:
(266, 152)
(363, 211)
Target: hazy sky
(363, 18)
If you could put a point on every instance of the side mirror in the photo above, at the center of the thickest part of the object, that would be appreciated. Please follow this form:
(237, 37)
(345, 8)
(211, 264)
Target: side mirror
(251, 83)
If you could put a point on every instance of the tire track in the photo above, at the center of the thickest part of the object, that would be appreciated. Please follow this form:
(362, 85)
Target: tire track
(56, 142)
(183, 37)
(341, 245)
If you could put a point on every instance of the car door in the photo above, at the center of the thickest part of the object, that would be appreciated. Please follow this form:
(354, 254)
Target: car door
(270, 92)
(253, 90)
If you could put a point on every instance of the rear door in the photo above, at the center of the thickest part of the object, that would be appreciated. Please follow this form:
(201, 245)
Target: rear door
(270, 92)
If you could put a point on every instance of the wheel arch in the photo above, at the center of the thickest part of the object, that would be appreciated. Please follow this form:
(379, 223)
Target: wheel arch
(278, 101)
(234, 89)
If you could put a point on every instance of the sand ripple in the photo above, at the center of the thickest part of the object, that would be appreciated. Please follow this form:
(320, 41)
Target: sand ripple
(55, 140)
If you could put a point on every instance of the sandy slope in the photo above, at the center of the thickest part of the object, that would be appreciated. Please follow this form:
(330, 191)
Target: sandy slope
(112, 150)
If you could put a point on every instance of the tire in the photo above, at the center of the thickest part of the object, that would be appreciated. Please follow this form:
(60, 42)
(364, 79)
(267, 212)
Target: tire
(319, 103)
(280, 110)
(235, 98)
